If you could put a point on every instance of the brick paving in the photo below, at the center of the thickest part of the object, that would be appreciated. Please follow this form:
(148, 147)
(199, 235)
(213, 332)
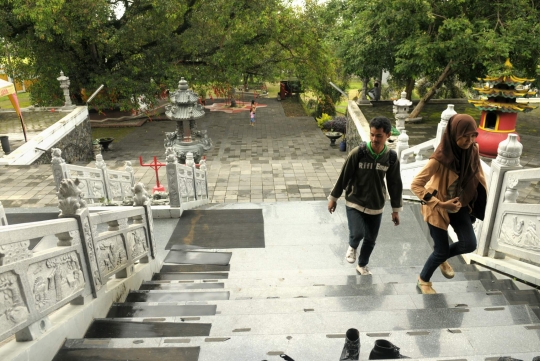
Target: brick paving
(279, 159)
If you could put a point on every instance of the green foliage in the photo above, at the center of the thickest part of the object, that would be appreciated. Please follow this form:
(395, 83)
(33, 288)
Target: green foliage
(151, 44)
(323, 119)
(325, 105)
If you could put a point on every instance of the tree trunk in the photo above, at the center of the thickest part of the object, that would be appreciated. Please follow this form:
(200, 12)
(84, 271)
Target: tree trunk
(446, 72)
(409, 88)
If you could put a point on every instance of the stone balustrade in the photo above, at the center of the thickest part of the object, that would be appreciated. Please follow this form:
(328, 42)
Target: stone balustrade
(75, 258)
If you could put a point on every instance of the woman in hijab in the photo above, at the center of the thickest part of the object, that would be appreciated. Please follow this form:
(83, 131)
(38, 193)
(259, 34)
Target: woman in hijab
(452, 188)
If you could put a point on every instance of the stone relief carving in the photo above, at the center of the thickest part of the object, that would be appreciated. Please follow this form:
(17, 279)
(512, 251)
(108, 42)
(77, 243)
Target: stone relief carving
(115, 189)
(137, 242)
(97, 189)
(13, 309)
(520, 231)
(111, 254)
(70, 197)
(55, 279)
(13, 252)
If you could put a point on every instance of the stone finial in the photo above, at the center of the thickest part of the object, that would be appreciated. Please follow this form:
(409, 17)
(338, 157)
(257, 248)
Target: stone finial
(509, 151)
(128, 168)
(100, 163)
(448, 113)
(140, 196)
(56, 154)
(3, 218)
(70, 197)
(202, 164)
(402, 142)
(190, 162)
(170, 155)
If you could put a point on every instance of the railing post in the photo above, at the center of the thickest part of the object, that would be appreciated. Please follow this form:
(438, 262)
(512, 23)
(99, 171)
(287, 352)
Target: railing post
(141, 199)
(58, 164)
(508, 157)
(172, 178)
(448, 113)
(402, 143)
(3, 218)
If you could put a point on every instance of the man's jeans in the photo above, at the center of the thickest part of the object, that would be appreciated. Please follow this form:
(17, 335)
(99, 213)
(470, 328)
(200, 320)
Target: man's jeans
(462, 225)
(363, 226)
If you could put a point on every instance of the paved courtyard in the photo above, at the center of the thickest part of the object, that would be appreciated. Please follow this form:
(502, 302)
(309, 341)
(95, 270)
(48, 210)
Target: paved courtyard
(279, 159)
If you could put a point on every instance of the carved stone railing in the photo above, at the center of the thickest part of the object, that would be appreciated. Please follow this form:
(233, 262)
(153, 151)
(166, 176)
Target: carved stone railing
(73, 261)
(97, 184)
(513, 227)
(3, 218)
(186, 183)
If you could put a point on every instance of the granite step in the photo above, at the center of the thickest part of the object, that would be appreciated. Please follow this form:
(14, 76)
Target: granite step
(380, 289)
(464, 343)
(303, 280)
(90, 351)
(371, 320)
(189, 276)
(312, 305)
(159, 296)
(118, 328)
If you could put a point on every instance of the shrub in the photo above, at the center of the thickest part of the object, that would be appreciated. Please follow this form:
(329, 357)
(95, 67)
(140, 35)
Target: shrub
(338, 124)
(326, 105)
(324, 118)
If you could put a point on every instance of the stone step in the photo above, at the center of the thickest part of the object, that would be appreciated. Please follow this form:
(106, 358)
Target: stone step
(189, 276)
(194, 268)
(301, 281)
(89, 350)
(181, 286)
(139, 309)
(370, 321)
(118, 328)
(463, 343)
(381, 289)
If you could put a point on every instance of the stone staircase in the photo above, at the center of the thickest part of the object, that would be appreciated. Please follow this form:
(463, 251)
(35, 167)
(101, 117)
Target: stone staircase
(298, 296)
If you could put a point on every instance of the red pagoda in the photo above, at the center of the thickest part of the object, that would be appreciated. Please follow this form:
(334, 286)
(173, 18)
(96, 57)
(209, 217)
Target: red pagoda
(500, 109)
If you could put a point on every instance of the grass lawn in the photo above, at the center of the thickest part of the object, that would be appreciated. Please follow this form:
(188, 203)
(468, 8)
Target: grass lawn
(116, 133)
(24, 101)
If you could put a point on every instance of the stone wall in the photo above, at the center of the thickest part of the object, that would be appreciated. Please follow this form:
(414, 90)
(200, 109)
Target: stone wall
(76, 146)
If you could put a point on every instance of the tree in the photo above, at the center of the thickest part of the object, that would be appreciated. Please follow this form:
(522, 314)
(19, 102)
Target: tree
(139, 46)
(437, 39)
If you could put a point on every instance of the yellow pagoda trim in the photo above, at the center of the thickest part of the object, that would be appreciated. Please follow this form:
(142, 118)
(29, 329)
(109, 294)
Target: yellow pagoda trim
(506, 79)
(483, 104)
(509, 93)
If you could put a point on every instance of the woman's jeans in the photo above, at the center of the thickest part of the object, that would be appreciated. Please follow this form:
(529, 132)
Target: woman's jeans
(461, 223)
(363, 226)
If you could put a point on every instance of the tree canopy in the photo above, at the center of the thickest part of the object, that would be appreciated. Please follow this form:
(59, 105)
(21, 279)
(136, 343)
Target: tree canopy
(137, 46)
(435, 39)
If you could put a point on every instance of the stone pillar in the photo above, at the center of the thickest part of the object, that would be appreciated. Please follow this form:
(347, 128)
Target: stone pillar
(128, 168)
(448, 113)
(3, 218)
(57, 166)
(175, 198)
(362, 97)
(509, 152)
(402, 143)
(401, 111)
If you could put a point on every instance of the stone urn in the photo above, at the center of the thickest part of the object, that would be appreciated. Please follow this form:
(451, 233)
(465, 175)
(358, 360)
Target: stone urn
(333, 136)
(105, 142)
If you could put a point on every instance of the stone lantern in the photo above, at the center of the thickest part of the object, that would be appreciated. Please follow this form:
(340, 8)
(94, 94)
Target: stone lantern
(186, 110)
(401, 111)
(64, 85)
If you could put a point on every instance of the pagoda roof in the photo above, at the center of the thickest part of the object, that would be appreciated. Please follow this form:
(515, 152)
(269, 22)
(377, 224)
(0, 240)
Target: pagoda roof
(507, 93)
(506, 79)
(486, 105)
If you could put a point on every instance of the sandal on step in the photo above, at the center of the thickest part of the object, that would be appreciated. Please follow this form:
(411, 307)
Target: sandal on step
(425, 287)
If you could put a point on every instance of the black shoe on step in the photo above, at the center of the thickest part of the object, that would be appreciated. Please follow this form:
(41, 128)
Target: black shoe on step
(384, 350)
(351, 350)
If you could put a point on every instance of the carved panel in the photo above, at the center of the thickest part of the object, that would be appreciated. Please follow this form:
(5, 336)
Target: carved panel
(89, 234)
(520, 231)
(13, 252)
(13, 308)
(55, 279)
(137, 243)
(111, 254)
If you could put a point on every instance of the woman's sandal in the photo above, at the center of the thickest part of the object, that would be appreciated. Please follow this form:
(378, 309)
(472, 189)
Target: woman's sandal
(425, 287)
(447, 270)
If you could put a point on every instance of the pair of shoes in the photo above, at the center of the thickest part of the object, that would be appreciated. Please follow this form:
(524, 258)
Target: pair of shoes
(351, 350)
(364, 271)
(447, 270)
(384, 350)
(425, 287)
(351, 255)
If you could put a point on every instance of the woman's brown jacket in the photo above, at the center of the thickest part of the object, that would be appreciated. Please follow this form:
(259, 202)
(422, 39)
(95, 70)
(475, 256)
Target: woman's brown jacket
(435, 176)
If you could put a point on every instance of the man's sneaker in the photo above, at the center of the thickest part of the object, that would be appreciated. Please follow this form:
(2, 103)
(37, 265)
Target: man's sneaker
(351, 255)
(364, 271)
